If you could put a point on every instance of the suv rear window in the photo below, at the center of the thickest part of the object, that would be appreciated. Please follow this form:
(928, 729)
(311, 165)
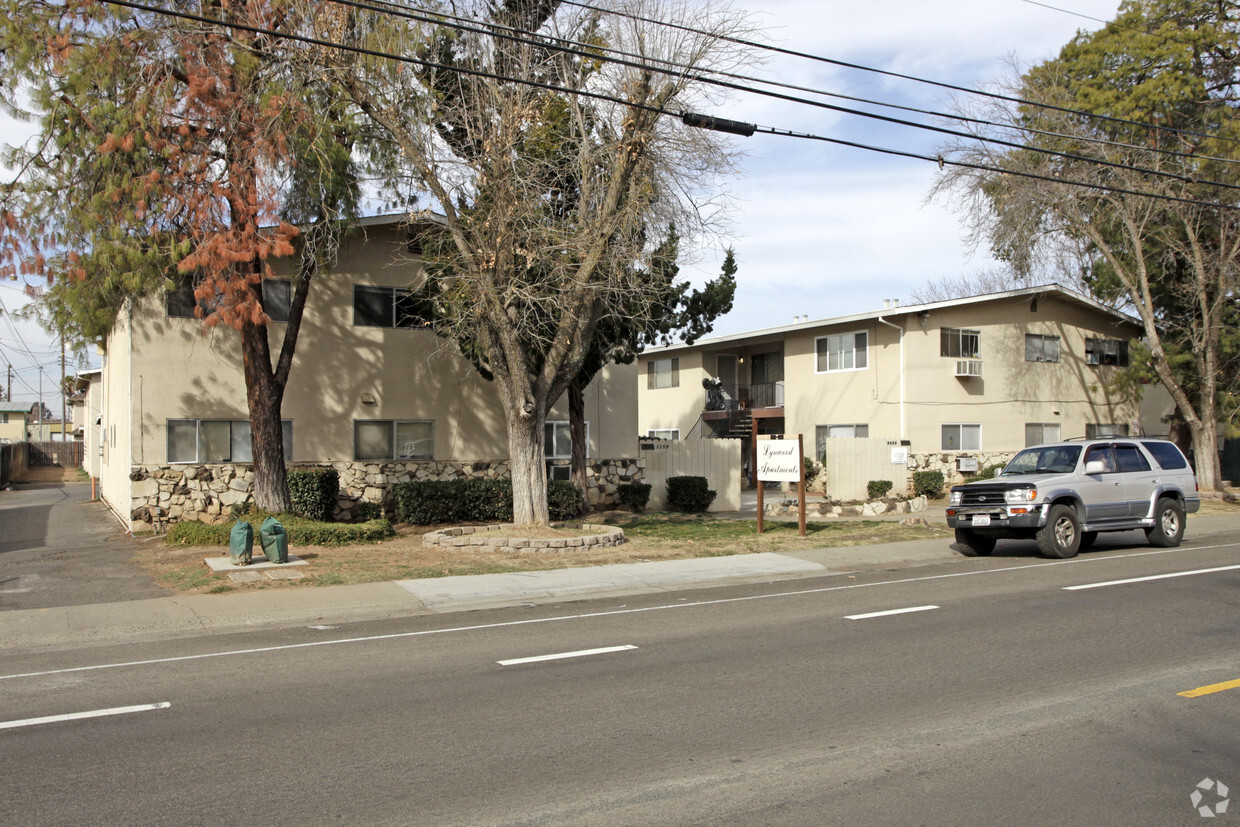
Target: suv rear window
(1167, 455)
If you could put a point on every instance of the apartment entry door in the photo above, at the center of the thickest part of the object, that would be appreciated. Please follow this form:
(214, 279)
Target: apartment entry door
(726, 372)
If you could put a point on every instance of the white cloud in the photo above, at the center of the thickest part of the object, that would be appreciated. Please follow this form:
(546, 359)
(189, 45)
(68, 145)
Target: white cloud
(828, 230)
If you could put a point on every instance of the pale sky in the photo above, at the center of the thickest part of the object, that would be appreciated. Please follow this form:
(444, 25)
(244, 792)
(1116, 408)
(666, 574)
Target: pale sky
(819, 229)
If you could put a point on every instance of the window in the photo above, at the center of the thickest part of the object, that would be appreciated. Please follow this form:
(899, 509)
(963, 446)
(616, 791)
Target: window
(663, 373)
(1101, 430)
(1106, 352)
(217, 440)
(387, 307)
(393, 439)
(1039, 348)
(1166, 454)
(558, 440)
(846, 351)
(1130, 458)
(277, 298)
(959, 344)
(962, 438)
(558, 447)
(1037, 433)
(179, 302)
(664, 433)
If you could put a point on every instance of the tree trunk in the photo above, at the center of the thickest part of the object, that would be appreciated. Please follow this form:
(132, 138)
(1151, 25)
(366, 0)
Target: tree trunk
(265, 396)
(528, 466)
(577, 431)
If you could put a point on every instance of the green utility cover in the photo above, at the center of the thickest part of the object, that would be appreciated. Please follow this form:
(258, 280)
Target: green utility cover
(241, 543)
(274, 540)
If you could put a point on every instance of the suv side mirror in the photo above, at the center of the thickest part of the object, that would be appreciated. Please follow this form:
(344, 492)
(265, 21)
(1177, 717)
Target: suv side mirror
(1095, 466)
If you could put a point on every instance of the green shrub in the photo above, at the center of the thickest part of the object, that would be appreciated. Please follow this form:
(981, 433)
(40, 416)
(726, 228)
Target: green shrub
(301, 531)
(928, 484)
(454, 501)
(634, 494)
(564, 500)
(312, 492)
(877, 489)
(689, 494)
(368, 511)
(989, 472)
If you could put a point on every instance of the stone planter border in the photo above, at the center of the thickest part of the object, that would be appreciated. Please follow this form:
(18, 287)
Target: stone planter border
(473, 536)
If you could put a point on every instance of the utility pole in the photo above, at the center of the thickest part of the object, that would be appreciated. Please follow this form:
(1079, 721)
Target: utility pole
(64, 397)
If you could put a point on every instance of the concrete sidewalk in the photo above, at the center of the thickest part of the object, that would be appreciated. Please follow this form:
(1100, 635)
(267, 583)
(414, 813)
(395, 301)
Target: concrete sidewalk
(186, 615)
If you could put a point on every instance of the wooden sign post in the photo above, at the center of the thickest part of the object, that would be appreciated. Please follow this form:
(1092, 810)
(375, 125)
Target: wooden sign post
(781, 460)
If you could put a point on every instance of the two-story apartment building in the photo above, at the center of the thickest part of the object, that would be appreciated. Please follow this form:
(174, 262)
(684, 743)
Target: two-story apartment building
(969, 377)
(373, 392)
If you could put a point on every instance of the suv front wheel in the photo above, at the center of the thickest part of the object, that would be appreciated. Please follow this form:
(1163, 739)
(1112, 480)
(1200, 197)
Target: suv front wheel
(972, 544)
(1061, 536)
(1168, 528)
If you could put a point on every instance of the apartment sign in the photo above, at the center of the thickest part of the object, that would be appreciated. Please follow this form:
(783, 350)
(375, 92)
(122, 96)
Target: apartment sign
(779, 460)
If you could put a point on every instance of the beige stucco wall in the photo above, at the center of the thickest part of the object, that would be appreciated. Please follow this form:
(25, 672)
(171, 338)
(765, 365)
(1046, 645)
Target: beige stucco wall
(118, 427)
(181, 371)
(15, 429)
(911, 396)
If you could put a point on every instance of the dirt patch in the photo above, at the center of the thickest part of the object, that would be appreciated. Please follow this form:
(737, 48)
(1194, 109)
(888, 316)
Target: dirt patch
(404, 557)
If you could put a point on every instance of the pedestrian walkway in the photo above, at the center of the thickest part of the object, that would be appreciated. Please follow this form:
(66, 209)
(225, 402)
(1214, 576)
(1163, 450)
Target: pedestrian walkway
(185, 615)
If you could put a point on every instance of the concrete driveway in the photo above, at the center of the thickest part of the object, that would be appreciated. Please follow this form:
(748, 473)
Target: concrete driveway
(57, 548)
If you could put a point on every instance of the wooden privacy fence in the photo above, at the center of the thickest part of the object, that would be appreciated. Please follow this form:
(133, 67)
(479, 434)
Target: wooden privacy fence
(14, 459)
(852, 463)
(719, 460)
(64, 454)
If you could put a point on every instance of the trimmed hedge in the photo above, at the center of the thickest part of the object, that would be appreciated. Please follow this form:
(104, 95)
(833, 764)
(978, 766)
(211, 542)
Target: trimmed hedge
(689, 494)
(988, 473)
(634, 494)
(475, 501)
(312, 492)
(429, 502)
(300, 531)
(564, 500)
(928, 484)
(877, 489)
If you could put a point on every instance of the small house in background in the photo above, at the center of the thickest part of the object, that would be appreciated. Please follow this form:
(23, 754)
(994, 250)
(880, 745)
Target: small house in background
(13, 420)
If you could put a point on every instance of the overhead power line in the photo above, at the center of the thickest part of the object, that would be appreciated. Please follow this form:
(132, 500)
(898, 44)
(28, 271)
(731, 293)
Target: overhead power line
(476, 26)
(687, 117)
(941, 84)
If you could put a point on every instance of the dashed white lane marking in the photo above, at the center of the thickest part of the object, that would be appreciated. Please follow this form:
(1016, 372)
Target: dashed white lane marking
(607, 650)
(227, 653)
(1149, 578)
(77, 716)
(891, 612)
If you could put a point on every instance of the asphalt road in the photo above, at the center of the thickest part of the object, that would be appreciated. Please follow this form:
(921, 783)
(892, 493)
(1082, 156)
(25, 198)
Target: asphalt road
(998, 692)
(57, 548)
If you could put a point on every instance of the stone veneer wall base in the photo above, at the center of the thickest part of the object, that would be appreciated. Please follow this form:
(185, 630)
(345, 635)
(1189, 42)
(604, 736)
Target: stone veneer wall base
(170, 493)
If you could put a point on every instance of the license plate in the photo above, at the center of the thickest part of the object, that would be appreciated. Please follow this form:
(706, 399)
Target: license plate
(981, 519)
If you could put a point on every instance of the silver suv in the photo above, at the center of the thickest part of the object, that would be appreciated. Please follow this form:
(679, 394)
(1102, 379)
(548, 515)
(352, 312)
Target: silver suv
(1062, 494)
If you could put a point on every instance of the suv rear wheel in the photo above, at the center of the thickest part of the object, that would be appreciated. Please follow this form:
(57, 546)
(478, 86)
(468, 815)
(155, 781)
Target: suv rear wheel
(1168, 528)
(1061, 536)
(972, 544)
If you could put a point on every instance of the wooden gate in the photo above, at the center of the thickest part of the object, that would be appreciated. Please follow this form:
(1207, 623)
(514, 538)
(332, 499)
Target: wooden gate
(64, 454)
(719, 460)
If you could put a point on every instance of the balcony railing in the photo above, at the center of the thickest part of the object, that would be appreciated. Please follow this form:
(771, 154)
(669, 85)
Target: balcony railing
(744, 397)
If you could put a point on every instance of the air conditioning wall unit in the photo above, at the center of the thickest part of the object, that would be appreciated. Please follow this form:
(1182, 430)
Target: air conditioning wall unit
(968, 367)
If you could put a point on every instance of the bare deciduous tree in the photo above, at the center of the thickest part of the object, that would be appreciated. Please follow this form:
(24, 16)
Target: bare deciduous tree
(554, 171)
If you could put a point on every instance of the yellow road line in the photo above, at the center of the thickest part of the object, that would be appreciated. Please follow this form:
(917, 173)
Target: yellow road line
(1210, 690)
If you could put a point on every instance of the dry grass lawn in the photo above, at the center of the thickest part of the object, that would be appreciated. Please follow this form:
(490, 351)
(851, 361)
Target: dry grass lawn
(651, 538)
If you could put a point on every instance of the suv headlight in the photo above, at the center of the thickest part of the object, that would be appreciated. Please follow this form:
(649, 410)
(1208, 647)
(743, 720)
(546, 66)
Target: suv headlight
(1021, 496)
(956, 498)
